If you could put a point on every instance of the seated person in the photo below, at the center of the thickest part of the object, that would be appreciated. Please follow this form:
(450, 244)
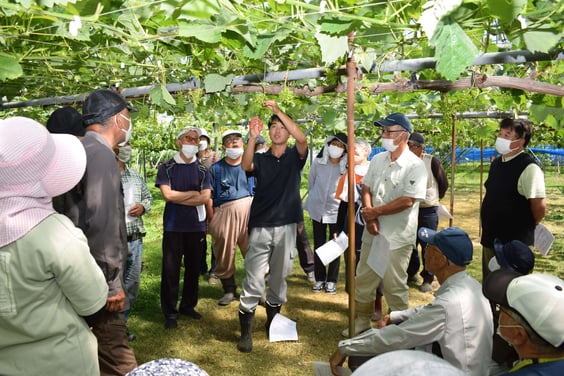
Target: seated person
(517, 256)
(457, 325)
(530, 319)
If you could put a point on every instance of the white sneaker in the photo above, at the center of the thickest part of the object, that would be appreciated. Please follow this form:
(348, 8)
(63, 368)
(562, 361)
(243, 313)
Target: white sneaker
(310, 277)
(331, 288)
(318, 287)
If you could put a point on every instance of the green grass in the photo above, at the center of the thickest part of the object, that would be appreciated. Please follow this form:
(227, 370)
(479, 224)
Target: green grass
(211, 342)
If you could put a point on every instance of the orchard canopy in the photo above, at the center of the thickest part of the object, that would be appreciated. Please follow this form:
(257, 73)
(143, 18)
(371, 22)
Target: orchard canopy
(212, 63)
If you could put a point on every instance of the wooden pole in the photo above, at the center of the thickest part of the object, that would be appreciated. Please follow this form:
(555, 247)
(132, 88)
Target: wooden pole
(351, 76)
(452, 169)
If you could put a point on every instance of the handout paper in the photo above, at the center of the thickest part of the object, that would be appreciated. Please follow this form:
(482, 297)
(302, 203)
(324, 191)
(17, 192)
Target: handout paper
(443, 212)
(282, 329)
(379, 255)
(543, 239)
(333, 248)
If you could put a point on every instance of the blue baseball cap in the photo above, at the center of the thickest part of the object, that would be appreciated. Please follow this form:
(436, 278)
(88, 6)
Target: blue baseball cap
(396, 118)
(453, 242)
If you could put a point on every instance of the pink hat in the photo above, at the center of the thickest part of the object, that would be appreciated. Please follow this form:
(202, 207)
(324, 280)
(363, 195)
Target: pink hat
(35, 163)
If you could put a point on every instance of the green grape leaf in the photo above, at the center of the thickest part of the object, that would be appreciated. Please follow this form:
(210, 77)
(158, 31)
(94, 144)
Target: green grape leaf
(507, 11)
(215, 82)
(204, 31)
(332, 48)
(541, 41)
(454, 51)
(10, 68)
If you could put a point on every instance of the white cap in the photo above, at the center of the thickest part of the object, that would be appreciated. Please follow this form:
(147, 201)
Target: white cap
(189, 129)
(204, 133)
(229, 132)
(539, 298)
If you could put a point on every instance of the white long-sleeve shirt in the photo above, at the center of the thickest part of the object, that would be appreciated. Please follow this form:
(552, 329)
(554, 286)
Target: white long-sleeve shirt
(459, 319)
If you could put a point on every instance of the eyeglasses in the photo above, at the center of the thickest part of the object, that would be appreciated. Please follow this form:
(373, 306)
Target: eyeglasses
(386, 131)
(230, 140)
(413, 146)
(192, 140)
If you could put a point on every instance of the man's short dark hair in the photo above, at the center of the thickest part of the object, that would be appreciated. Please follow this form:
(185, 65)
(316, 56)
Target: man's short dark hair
(523, 128)
(274, 118)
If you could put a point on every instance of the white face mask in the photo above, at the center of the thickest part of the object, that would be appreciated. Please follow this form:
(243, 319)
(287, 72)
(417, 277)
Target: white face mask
(335, 151)
(498, 332)
(127, 132)
(388, 144)
(234, 153)
(260, 151)
(503, 146)
(189, 151)
(203, 145)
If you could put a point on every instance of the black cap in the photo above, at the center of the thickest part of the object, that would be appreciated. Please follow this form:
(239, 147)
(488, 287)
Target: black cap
(66, 120)
(101, 105)
(340, 137)
(495, 285)
(417, 138)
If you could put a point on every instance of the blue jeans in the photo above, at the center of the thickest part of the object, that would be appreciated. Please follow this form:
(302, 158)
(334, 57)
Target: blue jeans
(429, 218)
(133, 272)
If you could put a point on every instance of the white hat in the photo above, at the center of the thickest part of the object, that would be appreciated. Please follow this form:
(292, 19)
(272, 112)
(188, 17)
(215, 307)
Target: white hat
(230, 132)
(189, 129)
(405, 363)
(204, 133)
(538, 298)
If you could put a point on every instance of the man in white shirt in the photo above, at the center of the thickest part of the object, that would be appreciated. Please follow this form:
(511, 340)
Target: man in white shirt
(456, 326)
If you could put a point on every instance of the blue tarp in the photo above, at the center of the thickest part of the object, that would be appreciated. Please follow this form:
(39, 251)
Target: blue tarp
(465, 155)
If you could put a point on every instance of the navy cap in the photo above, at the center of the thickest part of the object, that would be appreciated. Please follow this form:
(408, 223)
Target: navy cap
(395, 119)
(514, 255)
(260, 140)
(453, 242)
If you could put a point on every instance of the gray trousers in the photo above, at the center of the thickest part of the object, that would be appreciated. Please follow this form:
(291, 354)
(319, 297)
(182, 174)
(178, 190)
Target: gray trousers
(271, 250)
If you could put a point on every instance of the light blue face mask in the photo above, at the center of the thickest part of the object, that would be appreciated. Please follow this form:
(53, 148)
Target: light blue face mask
(124, 154)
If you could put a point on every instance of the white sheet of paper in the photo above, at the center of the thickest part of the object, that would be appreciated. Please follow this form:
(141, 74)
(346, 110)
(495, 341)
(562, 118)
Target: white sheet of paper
(543, 239)
(333, 248)
(324, 369)
(128, 200)
(379, 255)
(282, 329)
(443, 212)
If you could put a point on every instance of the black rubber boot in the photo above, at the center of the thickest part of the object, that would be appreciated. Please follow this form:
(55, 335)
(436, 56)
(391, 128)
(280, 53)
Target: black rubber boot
(246, 341)
(271, 311)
